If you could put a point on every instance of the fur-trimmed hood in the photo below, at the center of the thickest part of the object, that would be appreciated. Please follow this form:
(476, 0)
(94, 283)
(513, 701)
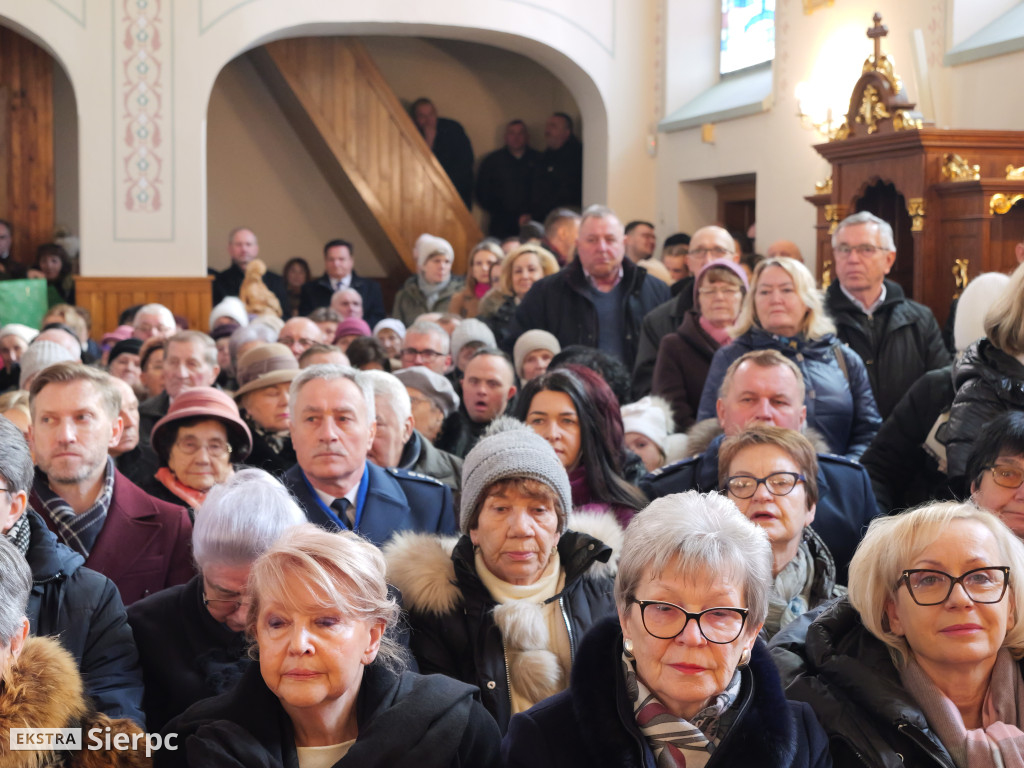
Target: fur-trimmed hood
(43, 689)
(700, 435)
(421, 565)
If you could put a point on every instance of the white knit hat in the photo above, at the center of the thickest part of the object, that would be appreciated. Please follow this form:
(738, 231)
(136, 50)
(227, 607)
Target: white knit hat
(974, 303)
(510, 449)
(650, 417)
(393, 323)
(232, 307)
(469, 330)
(23, 332)
(42, 355)
(427, 245)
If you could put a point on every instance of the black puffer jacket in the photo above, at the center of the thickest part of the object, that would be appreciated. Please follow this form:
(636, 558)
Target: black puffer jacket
(847, 676)
(898, 342)
(451, 613)
(560, 304)
(988, 382)
(83, 609)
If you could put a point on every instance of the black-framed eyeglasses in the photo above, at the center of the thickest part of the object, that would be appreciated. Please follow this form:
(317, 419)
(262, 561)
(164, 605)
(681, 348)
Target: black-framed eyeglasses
(430, 354)
(777, 483)
(666, 621)
(1006, 476)
(982, 585)
(230, 605)
(864, 249)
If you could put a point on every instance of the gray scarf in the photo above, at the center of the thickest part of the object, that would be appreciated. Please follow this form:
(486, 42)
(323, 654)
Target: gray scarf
(791, 592)
(430, 291)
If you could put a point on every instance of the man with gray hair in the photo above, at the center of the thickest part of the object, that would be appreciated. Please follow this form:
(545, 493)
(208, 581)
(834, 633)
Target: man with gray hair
(898, 339)
(398, 443)
(79, 606)
(140, 543)
(599, 299)
(333, 427)
(428, 345)
(153, 320)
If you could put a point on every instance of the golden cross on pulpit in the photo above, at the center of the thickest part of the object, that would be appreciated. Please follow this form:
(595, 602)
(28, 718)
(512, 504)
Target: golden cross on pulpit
(876, 33)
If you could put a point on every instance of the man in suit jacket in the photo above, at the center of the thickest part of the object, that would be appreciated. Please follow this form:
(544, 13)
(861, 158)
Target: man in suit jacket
(333, 427)
(138, 542)
(338, 274)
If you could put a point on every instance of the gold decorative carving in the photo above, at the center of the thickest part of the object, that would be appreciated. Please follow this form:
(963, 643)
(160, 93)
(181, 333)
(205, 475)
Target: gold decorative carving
(1001, 204)
(960, 277)
(826, 275)
(871, 109)
(885, 69)
(823, 187)
(957, 168)
(832, 217)
(915, 207)
(902, 121)
(1014, 173)
(810, 6)
(842, 132)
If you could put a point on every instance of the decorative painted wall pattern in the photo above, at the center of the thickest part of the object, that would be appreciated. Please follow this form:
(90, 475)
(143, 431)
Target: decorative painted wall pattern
(142, 106)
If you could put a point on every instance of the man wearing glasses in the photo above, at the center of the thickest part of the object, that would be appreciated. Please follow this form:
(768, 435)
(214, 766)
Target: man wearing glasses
(706, 245)
(765, 387)
(428, 345)
(299, 334)
(897, 338)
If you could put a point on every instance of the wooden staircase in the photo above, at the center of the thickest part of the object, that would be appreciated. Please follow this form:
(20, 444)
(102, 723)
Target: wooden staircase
(367, 147)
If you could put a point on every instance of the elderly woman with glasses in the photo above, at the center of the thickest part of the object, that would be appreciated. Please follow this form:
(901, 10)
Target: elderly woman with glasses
(329, 687)
(995, 468)
(680, 678)
(191, 637)
(919, 665)
(196, 442)
(771, 474)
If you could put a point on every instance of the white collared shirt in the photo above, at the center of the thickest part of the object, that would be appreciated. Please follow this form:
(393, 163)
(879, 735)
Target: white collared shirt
(352, 495)
(869, 311)
(344, 282)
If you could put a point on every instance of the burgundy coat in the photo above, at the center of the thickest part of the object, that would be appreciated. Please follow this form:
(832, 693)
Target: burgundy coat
(684, 358)
(145, 544)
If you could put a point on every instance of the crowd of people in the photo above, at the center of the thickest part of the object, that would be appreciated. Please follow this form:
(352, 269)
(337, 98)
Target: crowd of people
(567, 510)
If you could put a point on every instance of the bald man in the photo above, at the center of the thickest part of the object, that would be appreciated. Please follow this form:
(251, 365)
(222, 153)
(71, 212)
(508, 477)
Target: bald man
(785, 248)
(706, 245)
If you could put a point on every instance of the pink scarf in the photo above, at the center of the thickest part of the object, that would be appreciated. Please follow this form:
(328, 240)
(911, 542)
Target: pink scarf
(721, 335)
(1000, 716)
(186, 493)
(481, 289)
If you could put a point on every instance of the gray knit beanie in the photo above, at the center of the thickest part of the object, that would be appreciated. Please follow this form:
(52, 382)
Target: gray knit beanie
(510, 449)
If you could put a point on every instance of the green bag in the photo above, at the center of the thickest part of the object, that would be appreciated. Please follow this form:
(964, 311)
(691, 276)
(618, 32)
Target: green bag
(23, 301)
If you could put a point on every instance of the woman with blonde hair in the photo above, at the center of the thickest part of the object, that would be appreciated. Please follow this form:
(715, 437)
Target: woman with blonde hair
(523, 267)
(784, 311)
(330, 688)
(988, 377)
(919, 665)
(485, 254)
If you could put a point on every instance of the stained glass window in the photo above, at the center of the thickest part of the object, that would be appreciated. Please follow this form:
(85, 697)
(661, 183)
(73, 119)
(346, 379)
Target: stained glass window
(748, 34)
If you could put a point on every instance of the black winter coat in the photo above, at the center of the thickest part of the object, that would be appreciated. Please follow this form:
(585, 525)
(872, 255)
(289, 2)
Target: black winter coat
(847, 676)
(451, 613)
(592, 723)
(560, 304)
(903, 473)
(988, 382)
(657, 324)
(187, 655)
(899, 342)
(83, 609)
(405, 721)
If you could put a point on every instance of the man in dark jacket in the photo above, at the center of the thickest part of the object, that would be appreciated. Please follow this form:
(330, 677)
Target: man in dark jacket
(599, 299)
(558, 176)
(75, 604)
(243, 247)
(503, 181)
(451, 146)
(897, 338)
(706, 245)
(338, 274)
(765, 387)
(333, 427)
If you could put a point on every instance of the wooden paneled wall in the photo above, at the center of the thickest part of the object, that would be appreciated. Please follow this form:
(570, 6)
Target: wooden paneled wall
(107, 297)
(26, 143)
(368, 147)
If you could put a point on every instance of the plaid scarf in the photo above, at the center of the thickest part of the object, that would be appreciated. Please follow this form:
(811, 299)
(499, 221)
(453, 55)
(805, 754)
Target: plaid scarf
(677, 742)
(19, 534)
(77, 531)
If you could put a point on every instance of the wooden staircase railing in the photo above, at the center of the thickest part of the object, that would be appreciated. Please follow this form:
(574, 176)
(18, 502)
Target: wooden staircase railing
(367, 147)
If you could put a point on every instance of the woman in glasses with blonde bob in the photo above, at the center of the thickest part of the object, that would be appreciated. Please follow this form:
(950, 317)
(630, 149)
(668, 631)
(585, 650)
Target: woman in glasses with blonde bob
(919, 666)
(680, 677)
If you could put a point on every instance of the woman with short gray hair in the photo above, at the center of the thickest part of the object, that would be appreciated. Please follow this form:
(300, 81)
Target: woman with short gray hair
(680, 677)
(191, 637)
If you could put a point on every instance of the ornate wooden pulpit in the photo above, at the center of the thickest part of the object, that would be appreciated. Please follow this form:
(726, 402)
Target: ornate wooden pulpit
(952, 196)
